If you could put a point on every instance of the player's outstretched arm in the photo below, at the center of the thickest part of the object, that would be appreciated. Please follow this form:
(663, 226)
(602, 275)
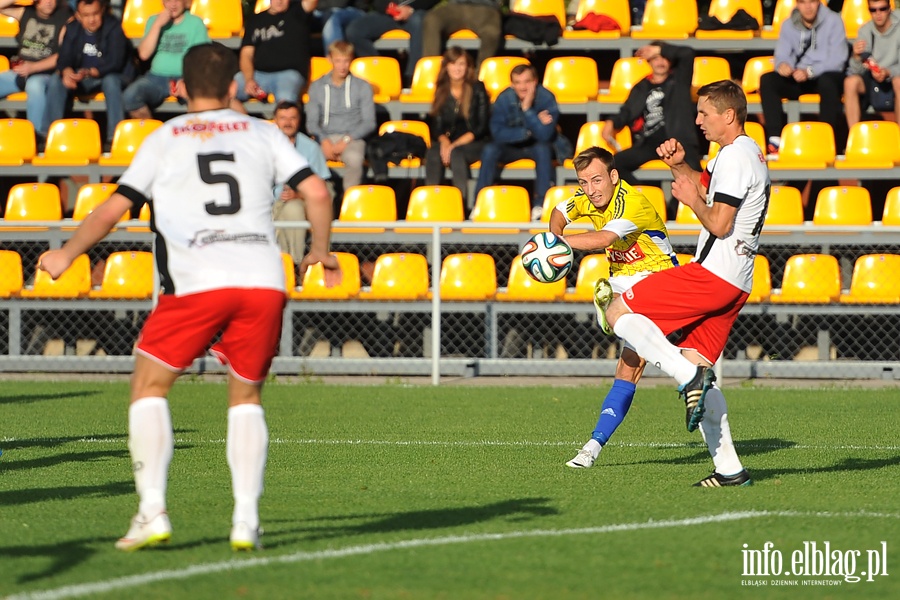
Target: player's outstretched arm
(319, 214)
(93, 229)
(595, 241)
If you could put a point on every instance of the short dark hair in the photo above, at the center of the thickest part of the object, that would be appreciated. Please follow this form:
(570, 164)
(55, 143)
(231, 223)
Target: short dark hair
(519, 69)
(103, 3)
(726, 94)
(584, 159)
(208, 70)
(288, 105)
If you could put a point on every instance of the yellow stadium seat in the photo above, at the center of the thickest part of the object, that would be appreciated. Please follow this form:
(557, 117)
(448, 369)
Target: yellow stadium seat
(92, 195)
(313, 287)
(809, 279)
(708, 69)
(430, 203)
(591, 268)
(855, 14)
(223, 18)
(891, 215)
(618, 10)
(538, 8)
(135, 15)
(127, 138)
(754, 130)
(755, 68)
(572, 79)
(501, 204)
(10, 273)
(33, 202)
(626, 72)
(419, 128)
(367, 203)
(494, 73)
(382, 72)
(262, 6)
(668, 19)
(656, 197)
(762, 280)
(398, 276)
(843, 205)
(318, 67)
(871, 145)
(555, 195)
(785, 206)
(805, 145)
(591, 134)
(724, 10)
(75, 282)
(144, 215)
(876, 280)
(424, 80)
(471, 277)
(290, 278)
(9, 27)
(685, 216)
(71, 142)
(126, 276)
(522, 288)
(17, 145)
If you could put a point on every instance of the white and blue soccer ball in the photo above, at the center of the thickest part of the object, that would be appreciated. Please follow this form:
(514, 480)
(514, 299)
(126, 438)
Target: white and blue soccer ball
(547, 257)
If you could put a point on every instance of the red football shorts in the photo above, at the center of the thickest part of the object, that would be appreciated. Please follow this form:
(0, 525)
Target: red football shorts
(690, 298)
(181, 328)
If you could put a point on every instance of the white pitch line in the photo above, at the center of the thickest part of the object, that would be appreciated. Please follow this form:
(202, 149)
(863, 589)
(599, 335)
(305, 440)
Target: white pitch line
(99, 587)
(488, 443)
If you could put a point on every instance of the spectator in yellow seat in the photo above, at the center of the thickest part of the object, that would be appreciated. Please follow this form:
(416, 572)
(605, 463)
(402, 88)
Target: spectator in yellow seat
(458, 121)
(874, 61)
(41, 29)
(95, 56)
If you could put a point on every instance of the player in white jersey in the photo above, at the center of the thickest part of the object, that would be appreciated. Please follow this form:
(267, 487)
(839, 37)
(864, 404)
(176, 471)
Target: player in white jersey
(704, 297)
(209, 176)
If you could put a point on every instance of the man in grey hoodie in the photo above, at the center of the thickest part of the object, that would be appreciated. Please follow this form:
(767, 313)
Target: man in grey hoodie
(810, 57)
(341, 113)
(874, 59)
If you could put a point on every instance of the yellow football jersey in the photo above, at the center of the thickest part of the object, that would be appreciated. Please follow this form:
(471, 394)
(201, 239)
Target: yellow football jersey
(643, 243)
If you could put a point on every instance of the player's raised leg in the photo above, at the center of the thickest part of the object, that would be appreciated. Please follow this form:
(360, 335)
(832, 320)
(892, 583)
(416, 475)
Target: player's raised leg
(151, 443)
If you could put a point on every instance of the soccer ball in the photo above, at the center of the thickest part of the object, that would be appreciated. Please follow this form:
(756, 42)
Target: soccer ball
(547, 257)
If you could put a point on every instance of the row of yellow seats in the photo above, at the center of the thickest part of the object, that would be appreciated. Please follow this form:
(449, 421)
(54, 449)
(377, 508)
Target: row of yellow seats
(42, 202)
(816, 279)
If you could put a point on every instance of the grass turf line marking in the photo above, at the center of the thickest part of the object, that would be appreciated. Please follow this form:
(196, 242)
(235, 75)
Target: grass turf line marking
(132, 581)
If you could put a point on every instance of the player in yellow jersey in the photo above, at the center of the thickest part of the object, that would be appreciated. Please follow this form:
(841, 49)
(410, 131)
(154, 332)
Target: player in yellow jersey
(636, 242)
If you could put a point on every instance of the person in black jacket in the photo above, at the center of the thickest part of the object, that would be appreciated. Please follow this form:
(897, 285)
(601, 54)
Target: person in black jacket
(658, 108)
(459, 120)
(94, 56)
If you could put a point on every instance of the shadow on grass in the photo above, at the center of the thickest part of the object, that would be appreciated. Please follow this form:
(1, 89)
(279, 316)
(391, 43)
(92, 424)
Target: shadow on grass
(30, 496)
(520, 509)
(845, 465)
(58, 459)
(744, 448)
(62, 556)
(24, 398)
(53, 442)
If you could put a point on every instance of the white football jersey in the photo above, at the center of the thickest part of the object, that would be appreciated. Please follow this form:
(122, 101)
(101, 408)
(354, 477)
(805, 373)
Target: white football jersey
(737, 175)
(209, 179)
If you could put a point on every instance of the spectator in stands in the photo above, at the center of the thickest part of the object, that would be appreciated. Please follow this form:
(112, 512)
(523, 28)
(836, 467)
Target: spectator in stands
(658, 107)
(341, 113)
(289, 205)
(386, 15)
(95, 56)
(875, 59)
(275, 52)
(458, 120)
(810, 56)
(41, 29)
(481, 16)
(167, 38)
(523, 125)
(333, 16)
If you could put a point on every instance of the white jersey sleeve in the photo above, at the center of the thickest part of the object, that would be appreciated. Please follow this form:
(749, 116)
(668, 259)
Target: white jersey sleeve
(209, 177)
(737, 176)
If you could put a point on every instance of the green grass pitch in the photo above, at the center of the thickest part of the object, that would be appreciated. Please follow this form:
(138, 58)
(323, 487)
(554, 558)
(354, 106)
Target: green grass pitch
(408, 492)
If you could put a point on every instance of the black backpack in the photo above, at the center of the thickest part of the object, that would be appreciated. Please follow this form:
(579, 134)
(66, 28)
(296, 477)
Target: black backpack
(392, 147)
(537, 30)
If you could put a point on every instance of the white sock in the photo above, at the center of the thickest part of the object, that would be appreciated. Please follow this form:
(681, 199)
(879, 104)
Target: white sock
(717, 434)
(151, 442)
(649, 341)
(594, 447)
(247, 448)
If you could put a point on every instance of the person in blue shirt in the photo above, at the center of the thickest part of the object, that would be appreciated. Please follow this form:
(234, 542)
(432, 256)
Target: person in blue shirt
(289, 205)
(523, 125)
